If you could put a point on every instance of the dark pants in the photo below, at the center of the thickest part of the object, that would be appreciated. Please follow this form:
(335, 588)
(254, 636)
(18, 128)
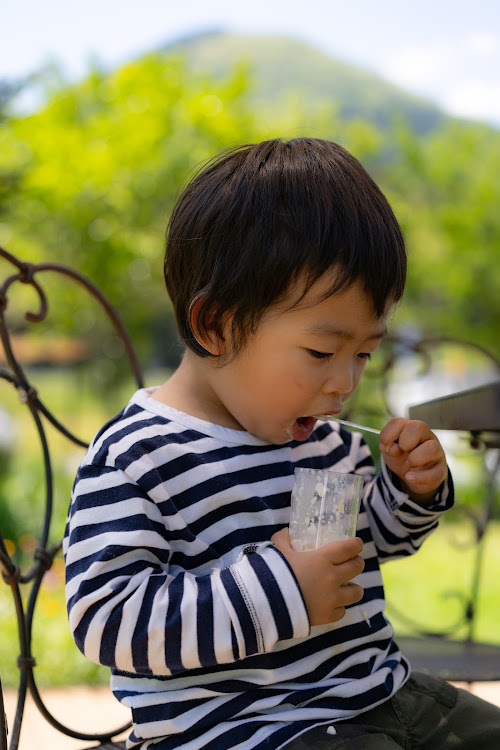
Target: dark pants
(425, 714)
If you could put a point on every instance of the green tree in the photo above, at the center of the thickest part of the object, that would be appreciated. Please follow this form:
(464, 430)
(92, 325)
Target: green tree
(98, 167)
(101, 165)
(447, 193)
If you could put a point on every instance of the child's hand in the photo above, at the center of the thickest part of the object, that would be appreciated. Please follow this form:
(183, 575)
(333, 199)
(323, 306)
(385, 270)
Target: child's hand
(323, 575)
(414, 454)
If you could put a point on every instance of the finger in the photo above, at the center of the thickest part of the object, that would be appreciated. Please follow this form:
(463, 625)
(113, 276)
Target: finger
(389, 434)
(348, 570)
(413, 434)
(425, 480)
(340, 552)
(337, 614)
(281, 539)
(394, 451)
(350, 593)
(427, 453)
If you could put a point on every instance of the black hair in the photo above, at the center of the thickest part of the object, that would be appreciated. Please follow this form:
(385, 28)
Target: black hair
(258, 218)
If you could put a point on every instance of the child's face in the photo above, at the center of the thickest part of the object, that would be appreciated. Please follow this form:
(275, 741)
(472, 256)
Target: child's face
(299, 363)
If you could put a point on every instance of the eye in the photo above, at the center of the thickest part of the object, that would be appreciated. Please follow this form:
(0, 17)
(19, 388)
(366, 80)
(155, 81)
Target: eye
(365, 355)
(319, 355)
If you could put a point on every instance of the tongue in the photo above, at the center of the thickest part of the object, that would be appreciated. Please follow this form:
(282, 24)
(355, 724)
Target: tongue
(303, 427)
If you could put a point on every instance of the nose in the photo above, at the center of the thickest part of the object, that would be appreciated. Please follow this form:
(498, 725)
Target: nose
(340, 379)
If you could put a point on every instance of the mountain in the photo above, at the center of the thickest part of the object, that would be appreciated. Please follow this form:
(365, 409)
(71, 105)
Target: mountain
(279, 65)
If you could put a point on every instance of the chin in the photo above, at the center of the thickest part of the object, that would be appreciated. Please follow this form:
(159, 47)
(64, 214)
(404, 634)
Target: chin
(275, 438)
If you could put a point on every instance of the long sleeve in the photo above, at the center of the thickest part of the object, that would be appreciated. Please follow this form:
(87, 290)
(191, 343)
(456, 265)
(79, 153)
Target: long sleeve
(398, 525)
(129, 609)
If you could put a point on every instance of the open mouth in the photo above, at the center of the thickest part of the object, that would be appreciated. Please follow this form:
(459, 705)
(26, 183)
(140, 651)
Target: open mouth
(303, 427)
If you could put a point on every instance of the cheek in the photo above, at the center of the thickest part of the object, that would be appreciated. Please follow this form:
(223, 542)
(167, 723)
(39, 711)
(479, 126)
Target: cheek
(287, 392)
(308, 378)
(359, 372)
(281, 381)
(301, 385)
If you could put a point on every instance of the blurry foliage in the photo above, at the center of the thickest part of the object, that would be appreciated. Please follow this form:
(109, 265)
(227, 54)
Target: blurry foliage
(90, 179)
(446, 194)
(100, 166)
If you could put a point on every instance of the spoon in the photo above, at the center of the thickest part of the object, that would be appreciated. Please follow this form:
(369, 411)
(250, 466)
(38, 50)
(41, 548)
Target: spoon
(327, 418)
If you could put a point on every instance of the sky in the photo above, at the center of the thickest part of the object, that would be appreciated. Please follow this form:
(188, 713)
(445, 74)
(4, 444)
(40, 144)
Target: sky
(448, 52)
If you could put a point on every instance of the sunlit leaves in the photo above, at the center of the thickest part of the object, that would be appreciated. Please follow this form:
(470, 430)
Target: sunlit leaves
(90, 180)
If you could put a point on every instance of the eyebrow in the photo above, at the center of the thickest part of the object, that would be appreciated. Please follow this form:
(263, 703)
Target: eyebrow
(330, 329)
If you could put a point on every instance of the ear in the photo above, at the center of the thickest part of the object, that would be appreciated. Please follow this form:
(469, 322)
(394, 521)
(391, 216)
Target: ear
(207, 336)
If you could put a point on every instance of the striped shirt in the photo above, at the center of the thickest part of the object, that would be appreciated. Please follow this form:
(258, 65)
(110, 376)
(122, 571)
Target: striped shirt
(173, 583)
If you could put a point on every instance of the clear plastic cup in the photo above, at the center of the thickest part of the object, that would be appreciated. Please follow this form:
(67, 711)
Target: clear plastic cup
(324, 508)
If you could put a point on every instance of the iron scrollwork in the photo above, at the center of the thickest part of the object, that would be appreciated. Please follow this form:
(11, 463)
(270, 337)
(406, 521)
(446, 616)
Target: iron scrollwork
(44, 553)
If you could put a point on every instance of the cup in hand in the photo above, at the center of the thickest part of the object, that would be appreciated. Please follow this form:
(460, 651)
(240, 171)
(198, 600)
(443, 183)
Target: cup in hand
(324, 507)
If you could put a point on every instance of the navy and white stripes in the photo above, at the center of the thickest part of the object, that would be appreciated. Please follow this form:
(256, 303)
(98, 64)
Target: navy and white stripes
(173, 583)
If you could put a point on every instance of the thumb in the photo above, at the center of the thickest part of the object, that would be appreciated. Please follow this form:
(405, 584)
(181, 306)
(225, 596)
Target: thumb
(281, 539)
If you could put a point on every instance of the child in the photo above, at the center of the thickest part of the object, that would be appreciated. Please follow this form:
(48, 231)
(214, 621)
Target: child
(283, 262)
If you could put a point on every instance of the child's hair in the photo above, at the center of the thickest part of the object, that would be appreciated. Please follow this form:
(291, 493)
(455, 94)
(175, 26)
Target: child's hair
(258, 218)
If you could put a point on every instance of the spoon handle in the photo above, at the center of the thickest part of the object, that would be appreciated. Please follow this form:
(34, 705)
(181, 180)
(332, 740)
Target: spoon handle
(350, 424)
(359, 426)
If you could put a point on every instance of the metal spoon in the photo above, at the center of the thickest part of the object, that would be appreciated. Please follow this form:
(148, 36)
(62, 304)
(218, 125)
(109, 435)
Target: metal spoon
(328, 418)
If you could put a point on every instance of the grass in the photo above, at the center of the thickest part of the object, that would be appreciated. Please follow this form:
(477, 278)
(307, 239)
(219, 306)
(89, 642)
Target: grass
(432, 587)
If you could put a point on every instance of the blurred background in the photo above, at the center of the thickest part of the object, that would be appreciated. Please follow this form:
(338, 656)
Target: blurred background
(107, 106)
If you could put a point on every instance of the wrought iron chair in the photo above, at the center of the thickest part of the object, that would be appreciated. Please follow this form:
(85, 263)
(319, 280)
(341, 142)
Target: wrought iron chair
(45, 552)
